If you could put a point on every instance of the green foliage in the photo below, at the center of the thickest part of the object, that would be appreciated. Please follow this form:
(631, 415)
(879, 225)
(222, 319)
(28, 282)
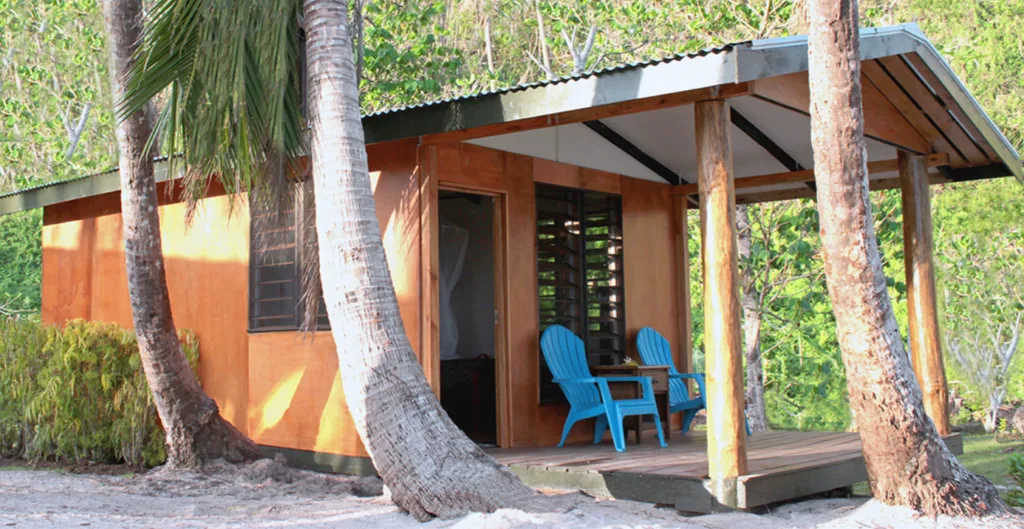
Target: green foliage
(53, 65)
(406, 58)
(230, 72)
(78, 392)
(22, 256)
(978, 251)
(1015, 496)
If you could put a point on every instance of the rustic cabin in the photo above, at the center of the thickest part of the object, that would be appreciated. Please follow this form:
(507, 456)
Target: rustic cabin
(477, 197)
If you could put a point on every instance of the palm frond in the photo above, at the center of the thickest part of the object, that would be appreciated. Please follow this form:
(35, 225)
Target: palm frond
(229, 73)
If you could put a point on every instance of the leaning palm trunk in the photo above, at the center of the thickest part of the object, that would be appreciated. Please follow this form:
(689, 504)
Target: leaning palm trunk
(907, 461)
(195, 430)
(430, 466)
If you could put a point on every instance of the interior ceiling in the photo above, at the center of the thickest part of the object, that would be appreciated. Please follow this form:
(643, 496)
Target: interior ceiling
(667, 135)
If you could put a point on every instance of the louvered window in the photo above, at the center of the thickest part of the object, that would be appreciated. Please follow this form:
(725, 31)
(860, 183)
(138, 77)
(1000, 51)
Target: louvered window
(275, 268)
(580, 281)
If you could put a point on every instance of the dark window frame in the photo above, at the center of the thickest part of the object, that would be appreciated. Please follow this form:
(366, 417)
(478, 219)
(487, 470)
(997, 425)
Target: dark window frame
(287, 271)
(580, 283)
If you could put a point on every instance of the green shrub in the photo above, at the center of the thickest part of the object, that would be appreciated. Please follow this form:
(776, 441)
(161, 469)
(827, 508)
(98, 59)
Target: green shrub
(78, 392)
(1016, 495)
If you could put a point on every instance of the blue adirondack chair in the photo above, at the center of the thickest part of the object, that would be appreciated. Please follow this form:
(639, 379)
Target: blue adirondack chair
(588, 395)
(655, 351)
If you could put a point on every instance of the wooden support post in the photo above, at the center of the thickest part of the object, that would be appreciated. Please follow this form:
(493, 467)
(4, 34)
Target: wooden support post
(923, 317)
(727, 451)
(685, 357)
(684, 351)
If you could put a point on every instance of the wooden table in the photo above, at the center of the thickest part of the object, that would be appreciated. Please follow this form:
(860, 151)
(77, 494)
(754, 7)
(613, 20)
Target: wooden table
(633, 390)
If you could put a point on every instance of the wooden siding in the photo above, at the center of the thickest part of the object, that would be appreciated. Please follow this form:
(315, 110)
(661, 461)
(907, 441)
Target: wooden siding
(651, 263)
(295, 396)
(207, 274)
(284, 390)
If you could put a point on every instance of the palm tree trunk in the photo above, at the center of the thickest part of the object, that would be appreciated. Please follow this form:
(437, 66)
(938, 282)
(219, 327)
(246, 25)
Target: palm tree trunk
(907, 461)
(430, 466)
(757, 417)
(195, 430)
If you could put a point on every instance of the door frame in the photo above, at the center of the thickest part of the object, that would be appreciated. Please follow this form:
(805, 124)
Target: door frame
(430, 299)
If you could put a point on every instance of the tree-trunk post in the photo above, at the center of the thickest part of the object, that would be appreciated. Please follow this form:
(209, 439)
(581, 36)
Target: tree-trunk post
(727, 454)
(923, 316)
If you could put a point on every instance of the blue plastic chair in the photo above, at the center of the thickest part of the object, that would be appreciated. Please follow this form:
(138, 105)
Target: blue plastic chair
(588, 395)
(655, 351)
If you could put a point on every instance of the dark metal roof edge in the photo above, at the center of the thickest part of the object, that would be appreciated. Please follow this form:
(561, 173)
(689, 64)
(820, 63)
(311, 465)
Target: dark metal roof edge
(72, 189)
(561, 80)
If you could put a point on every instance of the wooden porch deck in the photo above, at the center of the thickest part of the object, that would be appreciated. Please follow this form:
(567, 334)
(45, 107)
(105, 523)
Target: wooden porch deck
(782, 466)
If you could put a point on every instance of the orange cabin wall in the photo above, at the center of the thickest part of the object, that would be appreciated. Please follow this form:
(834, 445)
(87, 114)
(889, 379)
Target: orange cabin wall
(207, 266)
(295, 392)
(283, 388)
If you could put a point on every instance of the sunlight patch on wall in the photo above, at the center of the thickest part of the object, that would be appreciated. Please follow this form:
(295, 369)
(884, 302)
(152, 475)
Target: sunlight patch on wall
(273, 408)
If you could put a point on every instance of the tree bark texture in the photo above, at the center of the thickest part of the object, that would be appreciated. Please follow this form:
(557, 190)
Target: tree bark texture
(757, 416)
(922, 309)
(727, 451)
(195, 430)
(907, 462)
(430, 466)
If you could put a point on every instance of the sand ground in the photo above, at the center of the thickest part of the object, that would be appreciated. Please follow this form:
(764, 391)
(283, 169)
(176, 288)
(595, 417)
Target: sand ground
(266, 494)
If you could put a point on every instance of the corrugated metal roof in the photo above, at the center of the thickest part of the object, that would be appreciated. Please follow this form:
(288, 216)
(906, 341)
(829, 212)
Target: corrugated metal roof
(561, 80)
(738, 62)
(68, 180)
(465, 97)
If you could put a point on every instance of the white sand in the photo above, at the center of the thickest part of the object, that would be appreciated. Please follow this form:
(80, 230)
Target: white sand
(266, 495)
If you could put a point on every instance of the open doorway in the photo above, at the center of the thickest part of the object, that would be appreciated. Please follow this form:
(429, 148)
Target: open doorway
(466, 264)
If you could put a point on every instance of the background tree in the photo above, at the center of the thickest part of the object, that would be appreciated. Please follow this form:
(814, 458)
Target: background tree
(979, 258)
(196, 432)
(907, 461)
(774, 253)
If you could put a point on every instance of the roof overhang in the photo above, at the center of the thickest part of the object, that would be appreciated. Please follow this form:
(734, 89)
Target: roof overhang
(735, 70)
(713, 71)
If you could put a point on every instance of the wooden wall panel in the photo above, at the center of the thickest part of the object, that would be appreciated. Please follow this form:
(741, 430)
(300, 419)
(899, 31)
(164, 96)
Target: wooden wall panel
(67, 269)
(470, 166)
(207, 278)
(523, 320)
(565, 175)
(649, 253)
(296, 397)
(393, 174)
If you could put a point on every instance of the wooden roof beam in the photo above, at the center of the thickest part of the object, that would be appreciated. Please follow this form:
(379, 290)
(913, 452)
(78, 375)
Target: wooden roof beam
(630, 149)
(766, 143)
(807, 175)
(882, 121)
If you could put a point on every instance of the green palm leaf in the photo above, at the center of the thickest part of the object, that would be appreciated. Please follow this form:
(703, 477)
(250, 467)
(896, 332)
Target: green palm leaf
(227, 72)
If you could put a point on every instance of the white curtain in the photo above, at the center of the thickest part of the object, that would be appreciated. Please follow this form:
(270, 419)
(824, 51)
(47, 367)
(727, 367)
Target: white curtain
(454, 240)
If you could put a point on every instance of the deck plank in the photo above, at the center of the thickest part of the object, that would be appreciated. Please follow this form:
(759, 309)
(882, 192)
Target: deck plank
(782, 465)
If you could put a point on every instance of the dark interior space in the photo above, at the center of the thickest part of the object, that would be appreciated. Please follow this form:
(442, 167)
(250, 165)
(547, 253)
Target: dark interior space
(467, 320)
